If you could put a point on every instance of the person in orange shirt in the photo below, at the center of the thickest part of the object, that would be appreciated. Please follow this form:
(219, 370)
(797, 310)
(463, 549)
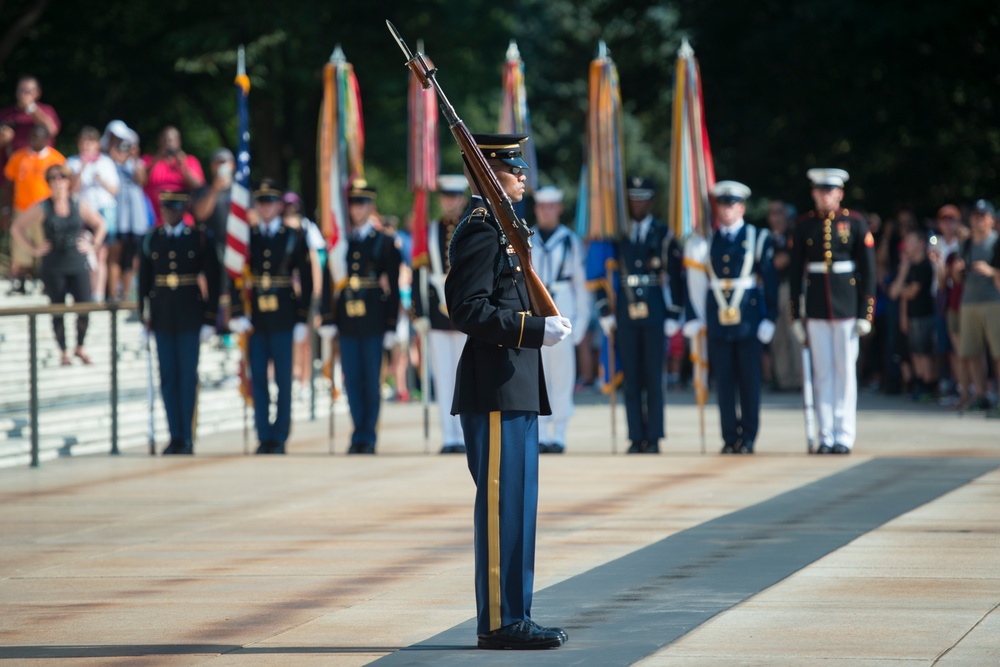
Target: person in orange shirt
(26, 170)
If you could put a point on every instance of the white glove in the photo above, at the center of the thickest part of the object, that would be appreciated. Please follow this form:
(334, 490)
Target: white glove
(799, 331)
(556, 329)
(239, 325)
(205, 333)
(608, 324)
(765, 331)
(299, 332)
(863, 327)
(389, 340)
(328, 331)
(671, 327)
(692, 328)
(422, 325)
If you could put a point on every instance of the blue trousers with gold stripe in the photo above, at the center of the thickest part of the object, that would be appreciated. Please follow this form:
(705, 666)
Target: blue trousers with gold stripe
(502, 448)
(275, 347)
(178, 357)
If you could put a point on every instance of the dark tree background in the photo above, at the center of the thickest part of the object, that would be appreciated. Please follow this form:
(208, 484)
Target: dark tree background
(900, 94)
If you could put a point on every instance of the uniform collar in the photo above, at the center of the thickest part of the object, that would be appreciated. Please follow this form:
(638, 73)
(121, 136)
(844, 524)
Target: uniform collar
(732, 230)
(174, 230)
(363, 231)
(555, 237)
(643, 227)
(271, 228)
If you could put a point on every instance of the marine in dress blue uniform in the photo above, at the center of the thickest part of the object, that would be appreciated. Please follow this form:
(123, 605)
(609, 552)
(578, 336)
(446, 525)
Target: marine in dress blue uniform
(499, 393)
(175, 310)
(833, 265)
(733, 295)
(364, 311)
(648, 309)
(275, 311)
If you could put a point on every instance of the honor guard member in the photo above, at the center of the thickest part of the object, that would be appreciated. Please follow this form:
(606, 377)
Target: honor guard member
(364, 312)
(444, 341)
(499, 393)
(648, 309)
(277, 313)
(177, 312)
(733, 293)
(833, 264)
(557, 256)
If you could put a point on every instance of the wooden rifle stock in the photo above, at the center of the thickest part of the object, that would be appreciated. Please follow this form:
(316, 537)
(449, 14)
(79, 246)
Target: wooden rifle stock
(485, 181)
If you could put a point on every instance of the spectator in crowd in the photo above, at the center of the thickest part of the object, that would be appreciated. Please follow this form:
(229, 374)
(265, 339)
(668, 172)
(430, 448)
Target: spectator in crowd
(943, 244)
(953, 308)
(979, 315)
(134, 211)
(782, 360)
(170, 169)
(96, 180)
(210, 203)
(62, 220)
(302, 355)
(26, 169)
(16, 123)
(914, 285)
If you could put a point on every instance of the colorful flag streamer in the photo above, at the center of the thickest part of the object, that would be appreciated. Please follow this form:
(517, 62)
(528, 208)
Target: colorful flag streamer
(424, 159)
(692, 175)
(514, 115)
(341, 155)
(601, 209)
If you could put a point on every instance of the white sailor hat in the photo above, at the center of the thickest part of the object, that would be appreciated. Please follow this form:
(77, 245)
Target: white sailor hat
(452, 184)
(548, 195)
(729, 192)
(829, 178)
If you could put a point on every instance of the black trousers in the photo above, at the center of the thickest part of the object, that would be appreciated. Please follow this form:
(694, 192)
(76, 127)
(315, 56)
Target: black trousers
(57, 285)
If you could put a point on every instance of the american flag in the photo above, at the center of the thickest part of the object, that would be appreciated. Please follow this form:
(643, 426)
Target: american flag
(237, 227)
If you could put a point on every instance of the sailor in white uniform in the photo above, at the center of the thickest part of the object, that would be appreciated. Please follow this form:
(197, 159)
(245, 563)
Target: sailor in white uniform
(558, 259)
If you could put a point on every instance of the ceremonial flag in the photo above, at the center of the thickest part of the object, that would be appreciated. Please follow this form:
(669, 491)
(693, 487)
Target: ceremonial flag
(237, 228)
(514, 115)
(601, 209)
(692, 175)
(424, 159)
(341, 155)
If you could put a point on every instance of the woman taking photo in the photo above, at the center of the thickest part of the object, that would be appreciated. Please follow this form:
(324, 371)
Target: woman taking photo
(62, 220)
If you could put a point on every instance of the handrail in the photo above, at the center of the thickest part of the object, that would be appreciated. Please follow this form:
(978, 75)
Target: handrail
(32, 313)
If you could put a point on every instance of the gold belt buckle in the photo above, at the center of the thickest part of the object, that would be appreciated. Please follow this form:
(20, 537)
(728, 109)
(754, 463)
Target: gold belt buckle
(354, 282)
(173, 280)
(355, 308)
(265, 282)
(729, 316)
(267, 303)
(638, 310)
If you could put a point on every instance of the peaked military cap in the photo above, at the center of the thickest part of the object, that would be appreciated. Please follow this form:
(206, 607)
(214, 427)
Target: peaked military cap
(174, 200)
(361, 191)
(452, 184)
(827, 178)
(503, 147)
(640, 188)
(268, 191)
(730, 192)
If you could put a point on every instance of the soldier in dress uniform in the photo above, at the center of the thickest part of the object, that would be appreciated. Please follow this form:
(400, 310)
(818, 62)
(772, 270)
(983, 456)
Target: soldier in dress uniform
(557, 256)
(444, 341)
(274, 310)
(499, 393)
(174, 309)
(648, 309)
(733, 294)
(364, 312)
(833, 263)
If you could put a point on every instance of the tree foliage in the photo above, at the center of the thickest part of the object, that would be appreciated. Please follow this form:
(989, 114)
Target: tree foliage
(900, 94)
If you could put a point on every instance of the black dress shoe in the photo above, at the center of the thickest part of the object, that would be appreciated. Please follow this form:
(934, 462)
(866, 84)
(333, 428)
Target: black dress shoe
(824, 449)
(635, 447)
(523, 635)
(172, 447)
(840, 449)
(555, 448)
(652, 447)
(727, 449)
(543, 448)
(367, 448)
(184, 448)
(277, 448)
(745, 448)
(447, 449)
(458, 449)
(559, 631)
(355, 448)
(264, 447)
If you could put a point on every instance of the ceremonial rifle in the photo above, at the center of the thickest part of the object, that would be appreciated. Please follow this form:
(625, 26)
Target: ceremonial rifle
(514, 228)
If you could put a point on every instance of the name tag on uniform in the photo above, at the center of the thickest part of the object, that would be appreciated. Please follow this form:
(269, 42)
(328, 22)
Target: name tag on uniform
(267, 303)
(355, 308)
(638, 310)
(729, 316)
